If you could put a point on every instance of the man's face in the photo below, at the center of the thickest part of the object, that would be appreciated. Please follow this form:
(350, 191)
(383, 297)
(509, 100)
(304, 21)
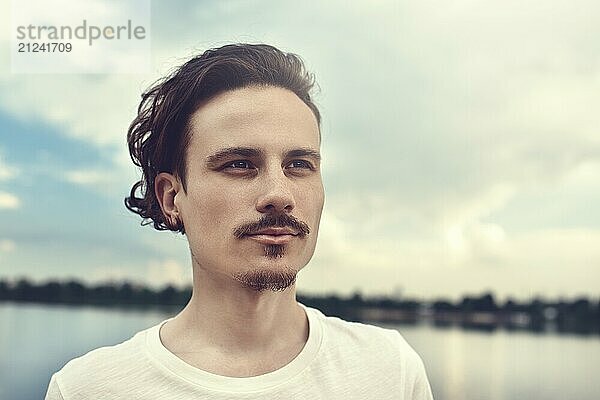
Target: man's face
(253, 166)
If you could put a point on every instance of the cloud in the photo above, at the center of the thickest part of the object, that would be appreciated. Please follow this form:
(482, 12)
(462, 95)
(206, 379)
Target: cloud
(9, 201)
(112, 274)
(7, 245)
(156, 274)
(160, 273)
(86, 177)
(108, 182)
(7, 172)
(548, 262)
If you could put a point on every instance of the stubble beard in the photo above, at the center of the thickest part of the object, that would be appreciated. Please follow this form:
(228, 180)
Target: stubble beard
(267, 279)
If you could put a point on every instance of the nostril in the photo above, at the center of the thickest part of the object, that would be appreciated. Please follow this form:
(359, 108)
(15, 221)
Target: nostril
(275, 205)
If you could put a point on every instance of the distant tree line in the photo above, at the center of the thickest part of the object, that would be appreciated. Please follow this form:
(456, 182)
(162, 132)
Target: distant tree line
(109, 294)
(581, 316)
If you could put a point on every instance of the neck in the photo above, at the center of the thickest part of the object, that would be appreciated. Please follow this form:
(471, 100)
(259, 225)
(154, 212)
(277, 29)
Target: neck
(223, 314)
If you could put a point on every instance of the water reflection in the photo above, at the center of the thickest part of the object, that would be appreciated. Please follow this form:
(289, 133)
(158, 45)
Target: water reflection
(36, 340)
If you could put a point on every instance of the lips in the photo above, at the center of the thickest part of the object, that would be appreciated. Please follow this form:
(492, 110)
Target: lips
(276, 232)
(274, 235)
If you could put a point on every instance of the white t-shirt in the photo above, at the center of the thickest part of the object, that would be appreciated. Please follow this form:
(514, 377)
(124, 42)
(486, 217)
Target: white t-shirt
(340, 360)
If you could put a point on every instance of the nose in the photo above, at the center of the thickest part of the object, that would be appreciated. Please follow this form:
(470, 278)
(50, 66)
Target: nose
(276, 196)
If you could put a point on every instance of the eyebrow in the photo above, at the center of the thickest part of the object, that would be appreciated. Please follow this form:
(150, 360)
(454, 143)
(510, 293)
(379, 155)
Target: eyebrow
(304, 152)
(215, 159)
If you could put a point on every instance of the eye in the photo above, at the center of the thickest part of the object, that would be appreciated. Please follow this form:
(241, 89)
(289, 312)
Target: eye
(301, 164)
(239, 164)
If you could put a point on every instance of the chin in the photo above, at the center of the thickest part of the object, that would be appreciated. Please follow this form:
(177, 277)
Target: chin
(267, 279)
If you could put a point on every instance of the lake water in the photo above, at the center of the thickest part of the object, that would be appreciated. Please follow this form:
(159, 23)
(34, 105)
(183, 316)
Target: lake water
(36, 340)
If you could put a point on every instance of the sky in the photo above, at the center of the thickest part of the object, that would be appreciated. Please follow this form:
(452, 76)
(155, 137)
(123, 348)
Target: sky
(461, 148)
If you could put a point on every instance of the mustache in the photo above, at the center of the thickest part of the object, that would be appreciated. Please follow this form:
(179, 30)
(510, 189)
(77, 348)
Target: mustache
(273, 221)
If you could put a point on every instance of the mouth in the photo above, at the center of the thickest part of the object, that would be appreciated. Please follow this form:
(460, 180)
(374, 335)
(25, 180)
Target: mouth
(274, 235)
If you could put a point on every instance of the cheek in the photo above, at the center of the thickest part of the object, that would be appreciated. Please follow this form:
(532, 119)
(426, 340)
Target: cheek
(216, 209)
(314, 198)
(207, 208)
(310, 207)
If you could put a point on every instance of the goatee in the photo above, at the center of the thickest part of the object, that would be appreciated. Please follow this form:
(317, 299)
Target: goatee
(266, 279)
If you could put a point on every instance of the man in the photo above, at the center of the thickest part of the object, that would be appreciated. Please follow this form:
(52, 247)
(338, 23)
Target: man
(229, 150)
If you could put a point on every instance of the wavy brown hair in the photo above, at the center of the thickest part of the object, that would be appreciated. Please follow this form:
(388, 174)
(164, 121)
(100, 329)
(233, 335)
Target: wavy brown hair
(159, 135)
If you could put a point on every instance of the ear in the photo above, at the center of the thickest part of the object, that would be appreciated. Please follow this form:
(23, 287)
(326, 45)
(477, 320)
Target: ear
(166, 186)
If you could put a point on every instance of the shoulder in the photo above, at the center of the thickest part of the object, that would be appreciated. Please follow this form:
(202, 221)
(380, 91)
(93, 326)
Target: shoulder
(107, 355)
(359, 332)
(365, 337)
(93, 370)
(380, 354)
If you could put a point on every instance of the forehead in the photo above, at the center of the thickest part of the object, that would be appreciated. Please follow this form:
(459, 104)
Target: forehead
(269, 118)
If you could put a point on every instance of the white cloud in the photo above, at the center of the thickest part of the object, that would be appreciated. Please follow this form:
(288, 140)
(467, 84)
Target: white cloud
(551, 262)
(7, 245)
(113, 274)
(106, 182)
(168, 272)
(97, 109)
(112, 182)
(482, 242)
(7, 172)
(9, 201)
(155, 274)
(87, 177)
